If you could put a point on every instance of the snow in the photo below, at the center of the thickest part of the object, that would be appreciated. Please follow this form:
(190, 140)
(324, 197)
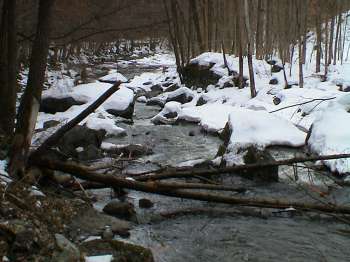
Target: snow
(262, 129)
(103, 258)
(4, 176)
(330, 134)
(88, 93)
(113, 76)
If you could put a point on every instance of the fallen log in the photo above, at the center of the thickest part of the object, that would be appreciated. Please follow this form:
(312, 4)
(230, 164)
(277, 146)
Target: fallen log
(190, 172)
(55, 137)
(157, 188)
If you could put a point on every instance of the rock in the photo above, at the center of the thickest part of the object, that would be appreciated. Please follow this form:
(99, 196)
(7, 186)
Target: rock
(199, 76)
(273, 81)
(145, 203)
(107, 234)
(142, 99)
(276, 100)
(235, 80)
(121, 251)
(276, 68)
(24, 241)
(171, 115)
(67, 250)
(52, 105)
(126, 113)
(80, 136)
(228, 84)
(191, 133)
(172, 88)
(147, 83)
(131, 150)
(167, 84)
(120, 231)
(346, 89)
(155, 91)
(50, 123)
(271, 62)
(122, 210)
(264, 174)
(201, 101)
(181, 98)
(91, 152)
(155, 101)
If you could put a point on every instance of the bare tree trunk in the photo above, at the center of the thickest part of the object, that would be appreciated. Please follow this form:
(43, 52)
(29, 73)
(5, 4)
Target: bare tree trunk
(30, 103)
(250, 52)
(336, 40)
(330, 46)
(8, 68)
(319, 43)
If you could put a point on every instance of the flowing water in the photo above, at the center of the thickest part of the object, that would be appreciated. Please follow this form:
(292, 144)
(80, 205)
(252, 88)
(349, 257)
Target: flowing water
(217, 232)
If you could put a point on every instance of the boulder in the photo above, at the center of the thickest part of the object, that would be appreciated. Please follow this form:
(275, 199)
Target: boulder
(182, 98)
(256, 156)
(199, 76)
(126, 113)
(52, 105)
(122, 210)
(80, 136)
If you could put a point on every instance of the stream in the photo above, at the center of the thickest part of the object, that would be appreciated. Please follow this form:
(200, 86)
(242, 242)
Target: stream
(220, 232)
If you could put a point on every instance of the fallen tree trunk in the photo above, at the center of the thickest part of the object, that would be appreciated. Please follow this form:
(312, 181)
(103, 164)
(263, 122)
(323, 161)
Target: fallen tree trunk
(157, 188)
(53, 139)
(190, 172)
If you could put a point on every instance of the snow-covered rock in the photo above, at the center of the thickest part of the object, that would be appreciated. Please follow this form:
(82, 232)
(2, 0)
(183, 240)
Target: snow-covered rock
(259, 129)
(113, 78)
(330, 134)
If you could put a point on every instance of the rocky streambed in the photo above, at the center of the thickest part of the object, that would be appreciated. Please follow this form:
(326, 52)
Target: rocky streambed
(185, 230)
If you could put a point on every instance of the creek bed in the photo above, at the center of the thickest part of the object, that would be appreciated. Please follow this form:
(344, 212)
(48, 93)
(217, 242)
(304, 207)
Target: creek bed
(219, 236)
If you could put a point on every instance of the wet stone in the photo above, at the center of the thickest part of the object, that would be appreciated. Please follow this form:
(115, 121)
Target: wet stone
(145, 203)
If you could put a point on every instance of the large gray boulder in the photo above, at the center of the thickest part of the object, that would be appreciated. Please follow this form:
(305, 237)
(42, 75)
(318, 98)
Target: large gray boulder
(52, 105)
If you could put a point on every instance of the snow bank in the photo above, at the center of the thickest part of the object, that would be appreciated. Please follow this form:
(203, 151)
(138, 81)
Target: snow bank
(330, 134)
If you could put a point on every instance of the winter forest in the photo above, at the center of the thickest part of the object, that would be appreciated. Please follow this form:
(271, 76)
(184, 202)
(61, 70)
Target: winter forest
(174, 130)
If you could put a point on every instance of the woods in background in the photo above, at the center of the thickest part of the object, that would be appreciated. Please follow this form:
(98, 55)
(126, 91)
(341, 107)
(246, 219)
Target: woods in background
(261, 27)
